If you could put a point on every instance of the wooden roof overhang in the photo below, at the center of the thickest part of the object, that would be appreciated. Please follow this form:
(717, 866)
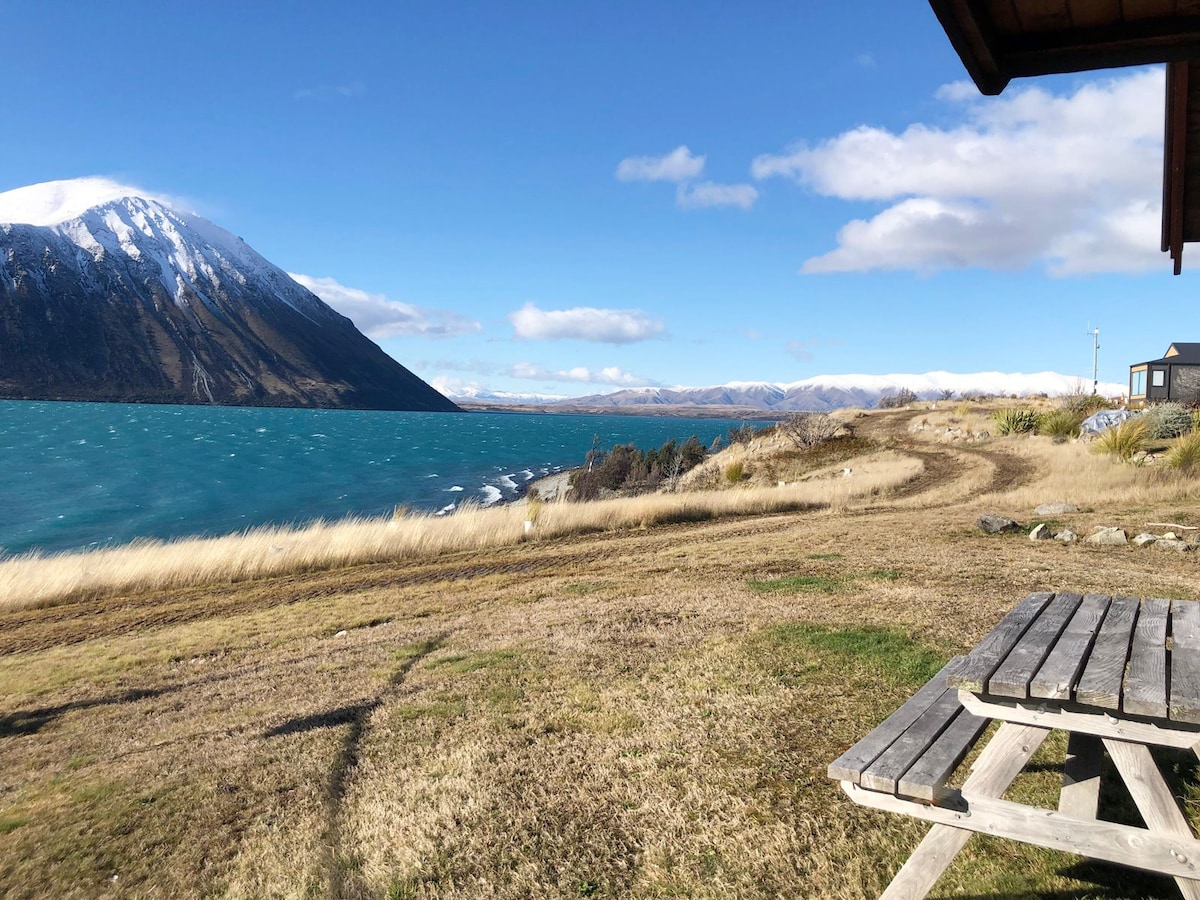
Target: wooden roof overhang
(999, 40)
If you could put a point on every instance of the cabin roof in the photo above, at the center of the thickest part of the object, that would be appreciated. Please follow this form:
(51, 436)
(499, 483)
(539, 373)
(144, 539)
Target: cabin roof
(1180, 353)
(998, 40)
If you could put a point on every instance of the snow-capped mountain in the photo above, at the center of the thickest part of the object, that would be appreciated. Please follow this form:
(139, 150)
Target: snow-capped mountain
(107, 293)
(826, 392)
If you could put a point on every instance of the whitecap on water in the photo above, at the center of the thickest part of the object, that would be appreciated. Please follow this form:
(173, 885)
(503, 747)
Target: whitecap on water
(457, 487)
(491, 494)
(507, 481)
(446, 509)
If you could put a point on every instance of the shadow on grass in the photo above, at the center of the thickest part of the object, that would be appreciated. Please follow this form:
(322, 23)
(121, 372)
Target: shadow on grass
(357, 716)
(31, 721)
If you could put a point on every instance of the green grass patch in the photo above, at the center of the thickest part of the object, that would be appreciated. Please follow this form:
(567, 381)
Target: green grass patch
(583, 588)
(442, 709)
(819, 584)
(11, 822)
(799, 584)
(462, 663)
(884, 651)
(825, 556)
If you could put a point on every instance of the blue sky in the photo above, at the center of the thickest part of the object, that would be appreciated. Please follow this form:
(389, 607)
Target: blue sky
(568, 198)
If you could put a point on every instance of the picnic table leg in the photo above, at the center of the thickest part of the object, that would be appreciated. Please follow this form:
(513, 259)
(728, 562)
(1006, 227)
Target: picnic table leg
(1080, 795)
(996, 768)
(1153, 797)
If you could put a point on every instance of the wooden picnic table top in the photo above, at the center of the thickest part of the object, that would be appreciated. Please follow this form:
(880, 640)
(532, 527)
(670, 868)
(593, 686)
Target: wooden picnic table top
(1138, 657)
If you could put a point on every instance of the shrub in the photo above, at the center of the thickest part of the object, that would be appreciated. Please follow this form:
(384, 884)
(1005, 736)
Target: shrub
(1086, 404)
(1060, 424)
(735, 472)
(1124, 441)
(1168, 420)
(902, 397)
(1184, 455)
(807, 429)
(963, 409)
(1014, 420)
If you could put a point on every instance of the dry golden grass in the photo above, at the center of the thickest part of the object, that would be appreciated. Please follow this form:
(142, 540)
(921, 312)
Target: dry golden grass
(36, 580)
(616, 713)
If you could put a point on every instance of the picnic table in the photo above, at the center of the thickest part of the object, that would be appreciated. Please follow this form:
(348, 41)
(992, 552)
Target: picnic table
(1118, 674)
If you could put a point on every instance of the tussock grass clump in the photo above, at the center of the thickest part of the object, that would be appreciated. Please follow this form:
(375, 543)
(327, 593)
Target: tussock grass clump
(1168, 420)
(1184, 454)
(1014, 420)
(1124, 441)
(1060, 424)
(735, 472)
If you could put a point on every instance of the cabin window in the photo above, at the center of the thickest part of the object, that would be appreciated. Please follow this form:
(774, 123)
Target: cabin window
(1158, 378)
(1137, 383)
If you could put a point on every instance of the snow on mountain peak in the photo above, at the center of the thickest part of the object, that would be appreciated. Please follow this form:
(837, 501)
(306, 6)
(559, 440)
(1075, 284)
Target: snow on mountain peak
(55, 202)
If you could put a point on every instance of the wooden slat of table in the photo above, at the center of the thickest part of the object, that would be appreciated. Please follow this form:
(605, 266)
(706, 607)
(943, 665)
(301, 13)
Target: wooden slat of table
(850, 765)
(1056, 678)
(1100, 683)
(885, 772)
(926, 778)
(987, 656)
(1013, 676)
(1185, 661)
(1146, 680)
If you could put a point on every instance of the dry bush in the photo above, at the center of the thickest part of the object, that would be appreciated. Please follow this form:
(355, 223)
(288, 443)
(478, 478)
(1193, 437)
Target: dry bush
(808, 429)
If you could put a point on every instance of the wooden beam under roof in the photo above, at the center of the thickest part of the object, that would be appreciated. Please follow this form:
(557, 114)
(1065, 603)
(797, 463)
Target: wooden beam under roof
(999, 40)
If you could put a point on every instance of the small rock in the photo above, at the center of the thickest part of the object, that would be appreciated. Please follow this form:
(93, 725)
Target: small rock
(1109, 537)
(1172, 544)
(342, 633)
(1170, 536)
(1056, 509)
(996, 524)
(1040, 533)
(1144, 538)
(1067, 536)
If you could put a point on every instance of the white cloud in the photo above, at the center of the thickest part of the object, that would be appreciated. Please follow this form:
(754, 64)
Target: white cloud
(585, 323)
(678, 165)
(1071, 182)
(698, 196)
(378, 317)
(611, 375)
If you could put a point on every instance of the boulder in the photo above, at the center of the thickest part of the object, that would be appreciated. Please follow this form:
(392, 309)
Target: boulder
(992, 524)
(1067, 536)
(1144, 538)
(1109, 537)
(1040, 533)
(1172, 544)
(1056, 509)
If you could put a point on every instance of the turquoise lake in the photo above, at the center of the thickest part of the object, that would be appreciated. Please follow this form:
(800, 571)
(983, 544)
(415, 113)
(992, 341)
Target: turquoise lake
(82, 475)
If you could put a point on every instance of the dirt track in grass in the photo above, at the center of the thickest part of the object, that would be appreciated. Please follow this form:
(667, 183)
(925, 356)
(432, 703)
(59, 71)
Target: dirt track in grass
(610, 715)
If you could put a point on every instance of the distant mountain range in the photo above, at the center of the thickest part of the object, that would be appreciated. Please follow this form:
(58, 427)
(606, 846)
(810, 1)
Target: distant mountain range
(824, 392)
(108, 295)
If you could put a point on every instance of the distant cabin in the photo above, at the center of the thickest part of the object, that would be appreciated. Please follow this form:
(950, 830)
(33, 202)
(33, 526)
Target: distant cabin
(1175, 377)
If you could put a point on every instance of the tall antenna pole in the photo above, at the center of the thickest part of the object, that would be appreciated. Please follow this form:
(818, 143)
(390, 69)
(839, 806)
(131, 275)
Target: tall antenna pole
(1095, 333)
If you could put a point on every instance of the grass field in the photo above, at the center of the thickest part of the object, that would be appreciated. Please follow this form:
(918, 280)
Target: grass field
(641, 704)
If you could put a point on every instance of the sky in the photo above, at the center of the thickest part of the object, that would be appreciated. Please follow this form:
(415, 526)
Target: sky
(572, 198)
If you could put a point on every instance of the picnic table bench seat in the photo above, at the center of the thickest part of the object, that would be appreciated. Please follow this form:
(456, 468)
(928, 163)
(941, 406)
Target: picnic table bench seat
(915, 750)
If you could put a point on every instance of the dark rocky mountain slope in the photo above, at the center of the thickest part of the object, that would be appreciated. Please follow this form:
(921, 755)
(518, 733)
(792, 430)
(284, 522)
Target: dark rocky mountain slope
(130, 300)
